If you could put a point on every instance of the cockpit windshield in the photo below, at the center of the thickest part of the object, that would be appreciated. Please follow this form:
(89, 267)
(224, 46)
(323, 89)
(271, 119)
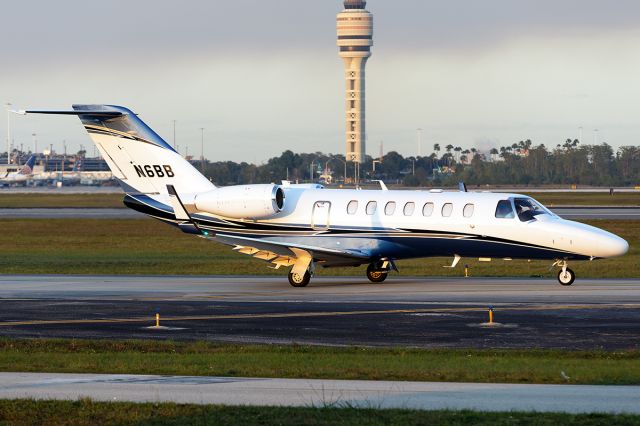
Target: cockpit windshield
(527, 209)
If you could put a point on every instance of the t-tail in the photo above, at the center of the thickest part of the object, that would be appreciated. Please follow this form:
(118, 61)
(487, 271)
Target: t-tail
(142, 162)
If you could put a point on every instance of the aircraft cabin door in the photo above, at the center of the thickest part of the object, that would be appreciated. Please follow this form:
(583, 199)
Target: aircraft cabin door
(320, 215)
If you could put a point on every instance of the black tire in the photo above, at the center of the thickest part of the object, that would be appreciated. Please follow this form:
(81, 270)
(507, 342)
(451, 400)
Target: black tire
(566, 279)
(376, 275)
(296, 281)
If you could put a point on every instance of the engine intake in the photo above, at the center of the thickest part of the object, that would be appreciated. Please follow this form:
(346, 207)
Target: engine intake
(242, 201)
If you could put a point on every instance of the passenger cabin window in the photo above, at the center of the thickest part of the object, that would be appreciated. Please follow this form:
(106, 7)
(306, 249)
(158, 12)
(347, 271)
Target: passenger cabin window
(527, 209)
(390, 208)
(447, 208)
(352, 207)
(427, 209)
(468, 210)
(504, 210)
(371, 207)
(409, 208)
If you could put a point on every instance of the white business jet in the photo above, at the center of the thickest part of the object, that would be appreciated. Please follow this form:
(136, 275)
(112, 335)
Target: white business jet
(306, 226)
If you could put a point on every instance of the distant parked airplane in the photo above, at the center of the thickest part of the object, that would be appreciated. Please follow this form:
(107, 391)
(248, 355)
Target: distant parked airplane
(21, 176)
(305, 226)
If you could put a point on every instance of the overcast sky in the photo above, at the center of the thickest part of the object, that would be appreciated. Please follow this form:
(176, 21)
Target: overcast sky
(264, 76)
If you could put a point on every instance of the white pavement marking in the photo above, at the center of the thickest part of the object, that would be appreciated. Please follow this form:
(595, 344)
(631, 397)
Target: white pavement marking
(321, 393)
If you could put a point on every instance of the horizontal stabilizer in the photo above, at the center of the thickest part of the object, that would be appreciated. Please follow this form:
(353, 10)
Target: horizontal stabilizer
(97, 113)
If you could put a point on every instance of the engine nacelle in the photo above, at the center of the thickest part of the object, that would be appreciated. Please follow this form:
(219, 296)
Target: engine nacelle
(242, 201)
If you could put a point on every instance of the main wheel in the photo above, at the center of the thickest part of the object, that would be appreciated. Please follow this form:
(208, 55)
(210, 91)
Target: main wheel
(299, 280)
(566, 277)
(376, 275)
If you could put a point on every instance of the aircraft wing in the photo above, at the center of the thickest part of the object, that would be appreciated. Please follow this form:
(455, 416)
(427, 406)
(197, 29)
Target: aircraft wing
(285, 254)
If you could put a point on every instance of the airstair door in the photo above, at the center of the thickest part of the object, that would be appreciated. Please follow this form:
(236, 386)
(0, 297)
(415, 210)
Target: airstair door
(320, 216)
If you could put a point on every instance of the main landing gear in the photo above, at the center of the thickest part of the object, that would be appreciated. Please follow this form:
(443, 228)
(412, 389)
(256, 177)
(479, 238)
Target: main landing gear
(376, 275)
(565, 276)
(378, 271)
(303, 268)
(299, 280)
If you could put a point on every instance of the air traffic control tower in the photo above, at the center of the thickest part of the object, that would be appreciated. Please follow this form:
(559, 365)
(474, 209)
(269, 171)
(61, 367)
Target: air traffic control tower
(355, 38)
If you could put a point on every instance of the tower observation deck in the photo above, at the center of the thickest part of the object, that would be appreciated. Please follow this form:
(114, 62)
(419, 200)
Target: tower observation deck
(355, 38)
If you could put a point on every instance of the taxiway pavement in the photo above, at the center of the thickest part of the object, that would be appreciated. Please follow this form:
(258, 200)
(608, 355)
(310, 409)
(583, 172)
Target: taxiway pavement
(416, 312)
(322, 393)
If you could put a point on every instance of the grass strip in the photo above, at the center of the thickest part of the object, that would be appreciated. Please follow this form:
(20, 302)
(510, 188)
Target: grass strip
(550, 199)
(357, 363)
(51, 200)
(87, 412)
(618, 199)
(149, 247)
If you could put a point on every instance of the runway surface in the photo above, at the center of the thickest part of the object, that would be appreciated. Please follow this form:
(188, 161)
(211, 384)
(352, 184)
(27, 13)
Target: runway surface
(322, 393)
(415, 312)
(572, 213)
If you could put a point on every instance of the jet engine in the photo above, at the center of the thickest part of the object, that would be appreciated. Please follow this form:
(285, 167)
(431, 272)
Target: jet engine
(242, 201)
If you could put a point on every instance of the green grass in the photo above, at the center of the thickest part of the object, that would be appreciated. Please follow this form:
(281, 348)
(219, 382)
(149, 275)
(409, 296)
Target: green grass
(87, 412)
(14, 200)
(215, 359)
(549, 199)
(142, 246)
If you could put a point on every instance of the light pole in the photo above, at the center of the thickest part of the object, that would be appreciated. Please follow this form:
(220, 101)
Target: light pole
(174, 134)
(595, 136)
(202, 149)
(580, 134)
(419, 130)
(8, 105)
(35, 143)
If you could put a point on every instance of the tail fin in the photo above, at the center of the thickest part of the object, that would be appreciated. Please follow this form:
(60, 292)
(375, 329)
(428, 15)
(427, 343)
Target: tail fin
(77, 166)
(27, 169)
(138, 157)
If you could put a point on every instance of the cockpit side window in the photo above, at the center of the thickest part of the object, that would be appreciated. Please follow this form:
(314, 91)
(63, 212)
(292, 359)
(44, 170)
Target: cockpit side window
(504, 210)
(527, 209)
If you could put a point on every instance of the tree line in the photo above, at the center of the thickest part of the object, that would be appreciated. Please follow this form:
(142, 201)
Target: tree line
(521, 163)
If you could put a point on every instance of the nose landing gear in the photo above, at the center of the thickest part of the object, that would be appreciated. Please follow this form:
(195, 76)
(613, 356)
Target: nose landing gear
(565, 276)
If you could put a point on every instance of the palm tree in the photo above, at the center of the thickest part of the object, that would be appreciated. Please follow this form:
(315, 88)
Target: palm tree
(436, 147)
(494, 153)
(457, 149)
(449, 155)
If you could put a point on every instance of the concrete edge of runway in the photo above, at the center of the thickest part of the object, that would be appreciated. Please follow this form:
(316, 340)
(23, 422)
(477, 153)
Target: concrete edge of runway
(322, 393)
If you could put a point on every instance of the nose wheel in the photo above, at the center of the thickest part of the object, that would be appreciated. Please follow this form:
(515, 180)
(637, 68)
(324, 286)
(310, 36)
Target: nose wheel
(565, 276)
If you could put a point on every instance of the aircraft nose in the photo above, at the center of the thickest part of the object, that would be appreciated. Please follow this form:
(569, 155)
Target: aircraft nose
(612, 246)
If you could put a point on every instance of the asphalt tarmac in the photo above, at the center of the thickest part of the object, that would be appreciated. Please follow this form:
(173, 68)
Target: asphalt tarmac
(412, 312)
(571, 213)
(323, 393)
